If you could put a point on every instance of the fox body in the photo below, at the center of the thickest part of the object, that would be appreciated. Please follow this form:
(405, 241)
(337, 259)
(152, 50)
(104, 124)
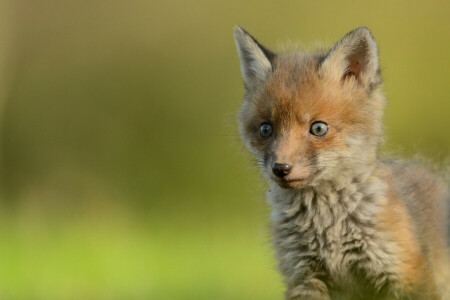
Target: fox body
(347, 224)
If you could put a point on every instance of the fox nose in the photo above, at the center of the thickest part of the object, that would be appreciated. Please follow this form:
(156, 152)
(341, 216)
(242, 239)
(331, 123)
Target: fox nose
(281, 170)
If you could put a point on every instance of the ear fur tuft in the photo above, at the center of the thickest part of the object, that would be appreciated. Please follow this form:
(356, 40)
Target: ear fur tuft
(355, 55)
(256, 60)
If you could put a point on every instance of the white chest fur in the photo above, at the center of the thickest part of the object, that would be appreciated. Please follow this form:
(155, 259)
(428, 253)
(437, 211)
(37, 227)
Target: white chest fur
(333, 228)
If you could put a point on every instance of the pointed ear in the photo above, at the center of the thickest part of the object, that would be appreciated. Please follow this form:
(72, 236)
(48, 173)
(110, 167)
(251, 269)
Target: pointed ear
(355, 56)
(256, 60)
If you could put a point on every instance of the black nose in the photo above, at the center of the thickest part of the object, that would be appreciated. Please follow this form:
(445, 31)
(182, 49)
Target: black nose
(281, 170)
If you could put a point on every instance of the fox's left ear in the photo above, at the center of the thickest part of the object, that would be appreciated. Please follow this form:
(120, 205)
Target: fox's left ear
(355, 55)
(256, 60)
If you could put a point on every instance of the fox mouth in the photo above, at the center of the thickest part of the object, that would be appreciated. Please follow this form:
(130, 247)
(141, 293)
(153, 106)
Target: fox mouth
(295, 183)
(291, 183)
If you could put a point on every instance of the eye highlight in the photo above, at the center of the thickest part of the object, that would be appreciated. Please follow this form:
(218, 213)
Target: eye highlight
(266, 130)
(318, 128)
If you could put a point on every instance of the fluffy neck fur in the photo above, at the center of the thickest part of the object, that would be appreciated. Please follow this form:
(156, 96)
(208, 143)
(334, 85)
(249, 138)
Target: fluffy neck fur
(329, 230)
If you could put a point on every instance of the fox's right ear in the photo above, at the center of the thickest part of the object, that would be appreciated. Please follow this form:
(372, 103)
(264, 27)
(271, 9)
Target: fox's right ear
(256, 60)
(354, 56)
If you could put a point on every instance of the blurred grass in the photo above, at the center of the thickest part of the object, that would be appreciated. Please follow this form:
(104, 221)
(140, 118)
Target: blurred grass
(115, 257)
(122, 174)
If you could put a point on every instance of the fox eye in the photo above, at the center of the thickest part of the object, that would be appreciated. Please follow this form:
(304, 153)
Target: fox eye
(266, 130)
(318, 128)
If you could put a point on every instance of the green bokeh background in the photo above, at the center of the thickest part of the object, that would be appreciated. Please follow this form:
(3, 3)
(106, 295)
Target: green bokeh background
(122, 173)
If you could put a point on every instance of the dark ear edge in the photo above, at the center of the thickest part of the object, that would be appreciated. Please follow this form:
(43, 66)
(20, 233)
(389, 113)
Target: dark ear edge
(257, 62)
(355, 55)
(268, 53)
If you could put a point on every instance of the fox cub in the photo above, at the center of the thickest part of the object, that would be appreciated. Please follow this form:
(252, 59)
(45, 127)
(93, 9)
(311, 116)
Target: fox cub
(347, 224)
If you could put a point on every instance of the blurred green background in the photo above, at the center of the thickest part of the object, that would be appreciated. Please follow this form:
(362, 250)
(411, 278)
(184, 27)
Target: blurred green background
(122, 173)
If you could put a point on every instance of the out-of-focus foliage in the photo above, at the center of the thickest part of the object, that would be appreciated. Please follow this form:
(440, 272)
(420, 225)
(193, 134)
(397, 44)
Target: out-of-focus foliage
(122, 173)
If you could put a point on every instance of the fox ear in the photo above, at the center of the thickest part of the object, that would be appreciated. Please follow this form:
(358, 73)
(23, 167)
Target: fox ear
(354, 56)
(256, 60)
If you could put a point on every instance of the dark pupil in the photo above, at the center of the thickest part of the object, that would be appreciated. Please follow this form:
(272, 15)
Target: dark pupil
(319, 128)
(265, 129)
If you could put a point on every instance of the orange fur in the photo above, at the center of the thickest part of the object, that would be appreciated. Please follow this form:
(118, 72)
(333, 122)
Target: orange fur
(347, 223)
(412, 268)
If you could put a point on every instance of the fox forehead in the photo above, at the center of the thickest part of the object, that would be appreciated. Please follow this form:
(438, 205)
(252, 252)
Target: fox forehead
(296, 93)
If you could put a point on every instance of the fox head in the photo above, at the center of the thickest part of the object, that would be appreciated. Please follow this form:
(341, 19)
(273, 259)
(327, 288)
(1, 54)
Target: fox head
(315, 116)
